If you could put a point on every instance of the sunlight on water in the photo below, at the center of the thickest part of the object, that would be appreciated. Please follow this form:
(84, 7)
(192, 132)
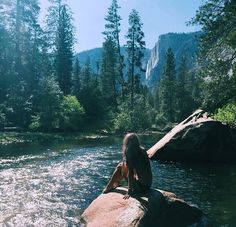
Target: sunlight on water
(52, 187)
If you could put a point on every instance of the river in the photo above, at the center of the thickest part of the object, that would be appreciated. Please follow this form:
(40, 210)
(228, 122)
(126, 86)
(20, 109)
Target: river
(50, 184)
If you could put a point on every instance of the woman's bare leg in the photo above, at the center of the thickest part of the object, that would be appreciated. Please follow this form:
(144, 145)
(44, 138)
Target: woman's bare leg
(119, 174)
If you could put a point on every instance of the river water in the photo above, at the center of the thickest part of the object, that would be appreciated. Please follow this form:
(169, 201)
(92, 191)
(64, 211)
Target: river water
(50, 184)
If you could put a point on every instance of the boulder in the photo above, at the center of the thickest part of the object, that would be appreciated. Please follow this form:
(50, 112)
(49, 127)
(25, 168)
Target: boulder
(152, 208)
(198, 138)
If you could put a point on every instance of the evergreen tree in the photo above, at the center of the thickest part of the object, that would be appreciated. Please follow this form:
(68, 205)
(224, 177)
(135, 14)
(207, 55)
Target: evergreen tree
(90, 98)
(135, 48)
(157, 96)
(193, 86)
(76, 81)
(52, 22)
(30, 96)
(61, 40)
(6, 60)
(64, 51)
(21, 23)
(24, 22)
(112, 33)
(108, 74)
(217, 55)
(184, 102)
(168, 88)
(86, 75)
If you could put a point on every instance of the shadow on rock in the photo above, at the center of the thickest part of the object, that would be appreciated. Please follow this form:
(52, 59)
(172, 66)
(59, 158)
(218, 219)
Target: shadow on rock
(152, 208)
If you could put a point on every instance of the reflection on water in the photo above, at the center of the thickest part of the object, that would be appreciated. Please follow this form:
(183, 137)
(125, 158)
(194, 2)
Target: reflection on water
(51, 184)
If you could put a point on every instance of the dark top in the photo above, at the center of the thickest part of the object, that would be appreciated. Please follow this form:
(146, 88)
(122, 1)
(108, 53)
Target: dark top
(139, 167)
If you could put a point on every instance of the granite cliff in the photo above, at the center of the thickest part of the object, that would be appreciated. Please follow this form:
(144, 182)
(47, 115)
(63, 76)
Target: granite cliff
(154, 60)
(180, 43)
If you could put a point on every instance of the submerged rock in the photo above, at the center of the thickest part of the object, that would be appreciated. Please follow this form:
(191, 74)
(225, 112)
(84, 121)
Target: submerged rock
(198, 138)
(152, 208)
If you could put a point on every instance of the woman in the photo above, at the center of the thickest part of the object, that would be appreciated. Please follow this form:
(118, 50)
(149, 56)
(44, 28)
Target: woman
(135, 167)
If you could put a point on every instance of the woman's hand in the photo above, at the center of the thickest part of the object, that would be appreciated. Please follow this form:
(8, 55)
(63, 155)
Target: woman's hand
(128, 194)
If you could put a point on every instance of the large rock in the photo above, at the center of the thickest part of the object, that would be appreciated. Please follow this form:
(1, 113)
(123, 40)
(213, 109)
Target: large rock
(198, 138)
(153, 208)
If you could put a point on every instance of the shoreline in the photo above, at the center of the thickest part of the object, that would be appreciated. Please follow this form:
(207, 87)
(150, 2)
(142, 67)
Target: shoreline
(8, 138)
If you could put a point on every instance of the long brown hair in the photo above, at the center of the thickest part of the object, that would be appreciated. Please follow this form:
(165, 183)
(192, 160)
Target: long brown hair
(131, 142)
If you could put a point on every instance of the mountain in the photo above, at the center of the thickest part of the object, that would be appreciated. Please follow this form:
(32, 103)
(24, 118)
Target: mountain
(154, 60)
(95, 56)
(180, 43)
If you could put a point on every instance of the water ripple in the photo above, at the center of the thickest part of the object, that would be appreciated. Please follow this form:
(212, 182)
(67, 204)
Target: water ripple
(52, 187)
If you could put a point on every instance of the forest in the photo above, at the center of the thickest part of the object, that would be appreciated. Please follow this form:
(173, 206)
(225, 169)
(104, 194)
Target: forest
(44, 88)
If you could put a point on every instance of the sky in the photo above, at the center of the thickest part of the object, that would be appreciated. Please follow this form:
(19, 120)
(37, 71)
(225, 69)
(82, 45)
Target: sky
(158, 17)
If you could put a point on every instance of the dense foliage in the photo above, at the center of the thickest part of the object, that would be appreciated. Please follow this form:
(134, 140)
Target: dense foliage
(227, 114)
(43, 86)
(123, 94)
(174, 95)
(217, 55)
(36, 66)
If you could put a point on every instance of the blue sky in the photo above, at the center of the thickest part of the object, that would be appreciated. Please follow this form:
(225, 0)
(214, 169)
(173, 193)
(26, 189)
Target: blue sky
(158, 17)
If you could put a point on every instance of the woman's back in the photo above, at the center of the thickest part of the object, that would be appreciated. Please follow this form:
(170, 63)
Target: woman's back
(141, 164)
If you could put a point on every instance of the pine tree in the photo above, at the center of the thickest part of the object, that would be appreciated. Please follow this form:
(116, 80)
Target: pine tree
(157, 96)
(193, 86)
(21, 20)
(64, 51)
(25, 22)
(52, 22)
(60, 35)
(76, 81)
(90, 97)
(112, 33)
(6, 60)
(86, 75)
(184, 101)
(108, 74)
(168, 88)
(135, 48)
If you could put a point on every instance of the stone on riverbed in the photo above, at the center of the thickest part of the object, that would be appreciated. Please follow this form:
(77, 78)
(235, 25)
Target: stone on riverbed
(198, 138)
(152, 208)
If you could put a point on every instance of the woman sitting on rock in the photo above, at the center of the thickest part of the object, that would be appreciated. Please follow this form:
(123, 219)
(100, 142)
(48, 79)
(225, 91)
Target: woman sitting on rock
(135, 168)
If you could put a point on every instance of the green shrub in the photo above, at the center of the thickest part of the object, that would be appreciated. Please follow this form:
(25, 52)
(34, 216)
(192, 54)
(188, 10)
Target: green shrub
(35, 123)
(226, 114)
(71, 113)
(140, 118)
(122, 122)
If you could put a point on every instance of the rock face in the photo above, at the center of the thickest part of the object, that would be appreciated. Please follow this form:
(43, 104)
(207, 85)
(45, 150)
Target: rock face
(180, 43)
(198, 138)
(152, 208)
(154, 60)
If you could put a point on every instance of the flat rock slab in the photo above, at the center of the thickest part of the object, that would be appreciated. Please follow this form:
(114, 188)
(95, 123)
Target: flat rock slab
(152, 208)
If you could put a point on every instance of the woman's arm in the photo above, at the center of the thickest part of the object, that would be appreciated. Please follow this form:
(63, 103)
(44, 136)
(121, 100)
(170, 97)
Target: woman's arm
(130, 182)
(129, 156)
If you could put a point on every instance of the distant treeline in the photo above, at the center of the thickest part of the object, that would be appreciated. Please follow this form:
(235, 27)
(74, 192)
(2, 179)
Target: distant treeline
(43, 87)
